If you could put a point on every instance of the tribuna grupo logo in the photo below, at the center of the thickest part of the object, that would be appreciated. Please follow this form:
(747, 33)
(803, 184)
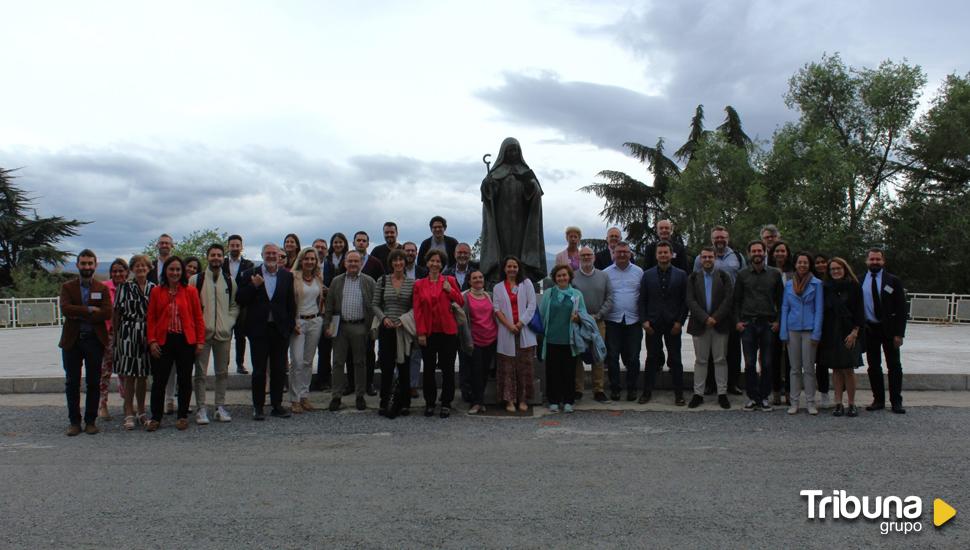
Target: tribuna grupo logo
(895, 514)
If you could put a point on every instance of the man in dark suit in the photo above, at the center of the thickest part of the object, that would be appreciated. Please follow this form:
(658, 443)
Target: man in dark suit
(381, 251)
(604, 258)
(710, 302)
(438, 240)
(373, 268)
(235, 265)
(680, 258)
(86, 305)
(462, 267)
(885, 306)
(268, 296)
(164, 246)
(663, 310)
(412, 270)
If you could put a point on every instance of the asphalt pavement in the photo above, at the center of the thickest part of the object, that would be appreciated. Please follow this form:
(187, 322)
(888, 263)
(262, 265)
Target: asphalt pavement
(615, 478)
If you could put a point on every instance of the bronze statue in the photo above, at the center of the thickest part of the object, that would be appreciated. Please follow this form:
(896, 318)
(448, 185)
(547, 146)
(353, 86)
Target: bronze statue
(512, 216)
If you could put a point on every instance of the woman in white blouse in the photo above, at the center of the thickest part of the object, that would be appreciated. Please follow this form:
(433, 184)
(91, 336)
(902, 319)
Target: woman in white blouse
(310, 293)
(515, 304)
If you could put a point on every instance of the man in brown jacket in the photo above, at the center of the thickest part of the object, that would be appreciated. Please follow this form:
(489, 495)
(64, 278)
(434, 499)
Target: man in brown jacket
(85, 305)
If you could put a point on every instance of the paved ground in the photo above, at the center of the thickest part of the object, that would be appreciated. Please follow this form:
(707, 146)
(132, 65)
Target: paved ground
(935, 349)
(605, 479)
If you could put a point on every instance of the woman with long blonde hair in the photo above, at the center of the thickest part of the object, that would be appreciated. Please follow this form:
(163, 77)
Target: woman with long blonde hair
(310, 292)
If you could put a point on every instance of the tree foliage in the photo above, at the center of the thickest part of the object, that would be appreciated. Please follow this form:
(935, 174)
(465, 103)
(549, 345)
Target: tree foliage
(192, 244)
(26, 238)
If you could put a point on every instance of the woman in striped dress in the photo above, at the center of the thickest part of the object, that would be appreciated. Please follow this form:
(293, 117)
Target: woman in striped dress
(392, 299)
(129, 330)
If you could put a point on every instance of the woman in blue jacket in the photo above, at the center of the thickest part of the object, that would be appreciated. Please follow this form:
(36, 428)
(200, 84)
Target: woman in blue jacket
(801, 330)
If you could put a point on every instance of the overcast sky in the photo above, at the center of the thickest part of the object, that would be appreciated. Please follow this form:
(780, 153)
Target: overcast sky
(265, 118)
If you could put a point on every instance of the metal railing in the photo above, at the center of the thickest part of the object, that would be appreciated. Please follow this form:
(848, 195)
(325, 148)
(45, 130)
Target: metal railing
(923, 308)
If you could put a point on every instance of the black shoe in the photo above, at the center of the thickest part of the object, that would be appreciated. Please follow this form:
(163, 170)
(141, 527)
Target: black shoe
(722, 400)
(898, 409)
(644, 399)
(258, 414)
(406, 411)
(280, 412)
(577, 396)
(382, 412)
(429, 411)
(615, 396)
(445, 412)
(360, 404)
(679, 399)
(631, 395)
(695, 401)
(600, 397)
(876, 406)
(734, 391)
(853, 411)
(371, 390)
(710, 391)
(839, 410)
(334, 404)
(241, 370)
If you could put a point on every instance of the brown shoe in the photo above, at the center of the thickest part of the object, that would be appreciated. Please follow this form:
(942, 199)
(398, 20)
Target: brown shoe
(91, 428)
(307, 406)
(152, 425)
(295, 407)
(182, 423)
(73, 430)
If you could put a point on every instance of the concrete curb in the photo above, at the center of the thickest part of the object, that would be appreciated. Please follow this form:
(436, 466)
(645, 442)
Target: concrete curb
(911, 382)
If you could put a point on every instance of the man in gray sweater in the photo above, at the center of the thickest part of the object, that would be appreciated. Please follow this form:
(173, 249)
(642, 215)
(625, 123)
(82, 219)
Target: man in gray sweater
(598, 295)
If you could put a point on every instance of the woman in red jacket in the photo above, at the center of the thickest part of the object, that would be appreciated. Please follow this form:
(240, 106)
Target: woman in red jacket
(437, 330)
(176, 334)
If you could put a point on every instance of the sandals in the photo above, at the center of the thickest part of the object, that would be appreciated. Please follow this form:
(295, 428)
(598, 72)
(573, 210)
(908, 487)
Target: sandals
(510, 408)
(523, 407)
(296, 408)
(129, 423)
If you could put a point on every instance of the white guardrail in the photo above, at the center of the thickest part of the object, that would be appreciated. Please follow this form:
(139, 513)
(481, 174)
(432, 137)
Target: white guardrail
(923, 308)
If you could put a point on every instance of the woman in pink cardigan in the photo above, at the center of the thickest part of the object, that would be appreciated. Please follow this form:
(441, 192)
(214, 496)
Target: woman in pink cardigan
(437, 330)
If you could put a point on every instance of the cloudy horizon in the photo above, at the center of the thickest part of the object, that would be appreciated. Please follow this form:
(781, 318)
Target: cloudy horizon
(315, 118)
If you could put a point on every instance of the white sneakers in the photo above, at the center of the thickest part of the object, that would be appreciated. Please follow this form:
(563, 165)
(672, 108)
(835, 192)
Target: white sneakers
(222, 415)
(812, 410)
(823, 401)
(202, 416)
(793, 409)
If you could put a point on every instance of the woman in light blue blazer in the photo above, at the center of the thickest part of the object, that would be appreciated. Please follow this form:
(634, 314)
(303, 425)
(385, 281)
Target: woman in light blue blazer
(801, 330)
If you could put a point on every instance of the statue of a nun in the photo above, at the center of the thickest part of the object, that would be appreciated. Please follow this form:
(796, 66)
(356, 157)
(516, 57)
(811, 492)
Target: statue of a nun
(512, 216)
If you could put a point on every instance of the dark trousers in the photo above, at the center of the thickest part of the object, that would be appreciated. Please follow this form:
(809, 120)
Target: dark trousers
(87, 351)
(439, 353)
(481, 362)
(240, 336)
(465, 376)
(371, 365)
(821, 377)
(623, 341)
(655, 356)
(388, 360)
(733, 364)
(876, 342)
(324, 361)
(758, 337)
(269, 347)
(780, 367)
(180, 354)
(560, 374)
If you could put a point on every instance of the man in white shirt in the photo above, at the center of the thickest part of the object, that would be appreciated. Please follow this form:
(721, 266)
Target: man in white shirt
(623, 331)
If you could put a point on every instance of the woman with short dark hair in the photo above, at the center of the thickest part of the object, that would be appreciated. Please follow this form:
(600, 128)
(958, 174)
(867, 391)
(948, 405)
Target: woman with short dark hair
(437, 330)
(393, 298)
(559, 312)
(176, 334)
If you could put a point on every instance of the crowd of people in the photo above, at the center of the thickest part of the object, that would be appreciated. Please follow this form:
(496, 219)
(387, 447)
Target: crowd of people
(794, 317)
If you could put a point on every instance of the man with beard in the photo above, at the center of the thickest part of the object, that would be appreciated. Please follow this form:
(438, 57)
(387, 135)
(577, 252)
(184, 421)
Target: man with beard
(758, 290)
(86, 305)
(390, 243)
(884, 301)
(235, 265)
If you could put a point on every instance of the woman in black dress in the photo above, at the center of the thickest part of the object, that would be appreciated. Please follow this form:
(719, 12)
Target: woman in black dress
(844, 317)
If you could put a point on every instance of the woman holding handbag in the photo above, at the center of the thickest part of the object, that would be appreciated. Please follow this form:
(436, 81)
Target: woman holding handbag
(515, 306)
(480, 312)
(394, 297)
(437, 330)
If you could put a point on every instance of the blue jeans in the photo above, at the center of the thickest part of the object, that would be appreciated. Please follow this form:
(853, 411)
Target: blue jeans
(623, 341)
(87, 350)
(757, 336)
(655, 357)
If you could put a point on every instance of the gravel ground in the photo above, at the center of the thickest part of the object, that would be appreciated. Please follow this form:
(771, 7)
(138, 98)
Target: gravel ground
(603, 479)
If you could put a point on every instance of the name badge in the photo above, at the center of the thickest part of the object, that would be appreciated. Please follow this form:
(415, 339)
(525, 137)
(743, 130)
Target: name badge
(887, 289)
(95, 295)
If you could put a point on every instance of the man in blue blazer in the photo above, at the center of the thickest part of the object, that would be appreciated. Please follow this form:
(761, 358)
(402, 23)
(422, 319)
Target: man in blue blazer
(267, 294)
(663, 311)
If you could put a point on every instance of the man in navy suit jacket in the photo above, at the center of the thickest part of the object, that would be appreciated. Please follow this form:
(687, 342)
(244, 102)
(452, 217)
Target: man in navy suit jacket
(884, 301)
(267, 294)
(663, 310)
